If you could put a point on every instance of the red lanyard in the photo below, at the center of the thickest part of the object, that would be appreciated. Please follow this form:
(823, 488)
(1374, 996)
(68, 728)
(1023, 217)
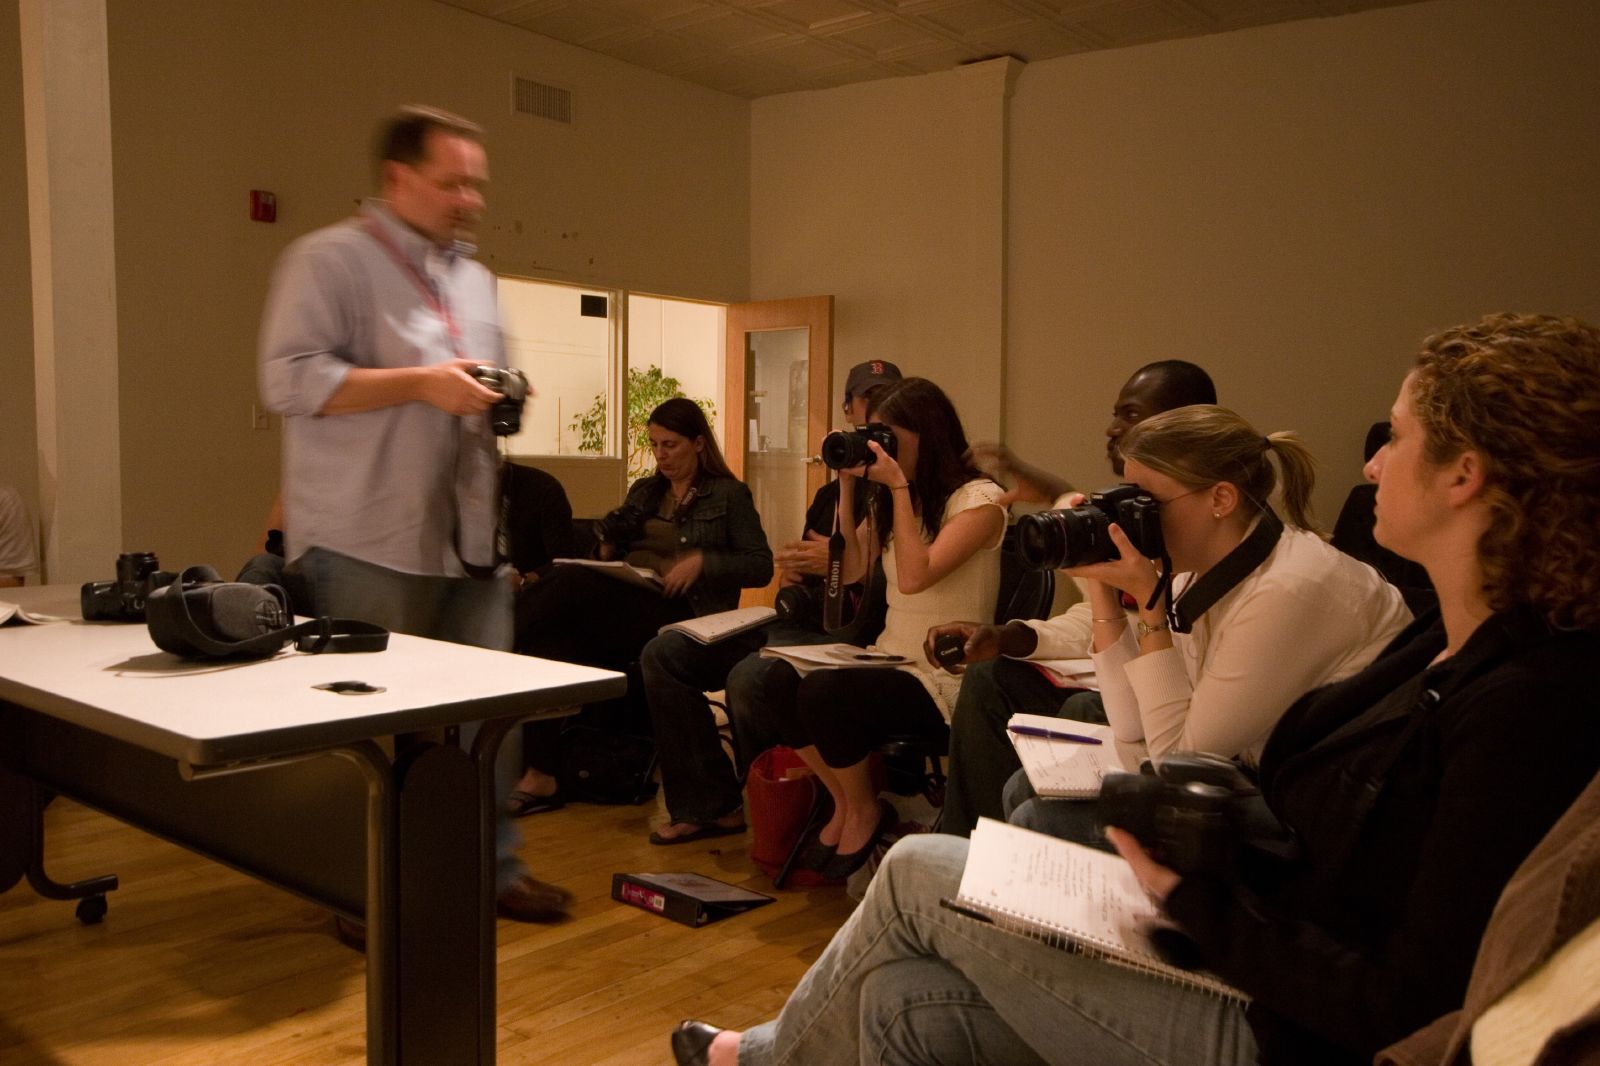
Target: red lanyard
(429, 294)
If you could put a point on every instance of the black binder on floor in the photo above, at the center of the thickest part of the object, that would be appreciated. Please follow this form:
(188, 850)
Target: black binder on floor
(690, 899)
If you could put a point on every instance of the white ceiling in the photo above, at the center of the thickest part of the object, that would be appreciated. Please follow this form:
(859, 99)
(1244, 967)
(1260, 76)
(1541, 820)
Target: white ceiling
(761, 47)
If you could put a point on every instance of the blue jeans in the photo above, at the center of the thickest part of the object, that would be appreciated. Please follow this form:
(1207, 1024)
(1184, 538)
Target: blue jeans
(1070, 819)
(908, 981)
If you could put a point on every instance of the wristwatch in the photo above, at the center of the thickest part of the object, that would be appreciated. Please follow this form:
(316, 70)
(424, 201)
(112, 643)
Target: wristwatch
(1145, 628)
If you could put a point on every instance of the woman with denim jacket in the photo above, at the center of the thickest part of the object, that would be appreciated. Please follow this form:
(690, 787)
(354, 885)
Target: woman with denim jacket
(692, 525)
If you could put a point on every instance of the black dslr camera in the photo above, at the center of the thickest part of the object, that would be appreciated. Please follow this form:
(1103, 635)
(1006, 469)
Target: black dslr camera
(505, 417)
(802, 604)
(122, 600)
(846, 448)
(621, 527)
(1081, 535)
(1196, 813)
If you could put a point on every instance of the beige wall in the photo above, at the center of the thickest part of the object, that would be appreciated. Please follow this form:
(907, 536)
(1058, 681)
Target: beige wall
(889, 196)
(1293, 207)
(19, 465)
(647, 188)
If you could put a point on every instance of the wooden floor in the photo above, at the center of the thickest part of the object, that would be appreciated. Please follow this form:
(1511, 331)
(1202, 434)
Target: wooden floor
(196, 965)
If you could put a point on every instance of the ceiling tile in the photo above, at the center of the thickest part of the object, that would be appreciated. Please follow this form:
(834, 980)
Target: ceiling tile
(761, 47)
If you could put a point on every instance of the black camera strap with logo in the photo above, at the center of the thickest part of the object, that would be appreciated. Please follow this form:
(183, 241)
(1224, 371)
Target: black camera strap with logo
(833, 580)
(200, 616)
(1221, 579)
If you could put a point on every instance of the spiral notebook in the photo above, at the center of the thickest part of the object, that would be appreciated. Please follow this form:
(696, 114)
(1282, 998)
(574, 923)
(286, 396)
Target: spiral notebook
(1060, 769)
(1071, 896)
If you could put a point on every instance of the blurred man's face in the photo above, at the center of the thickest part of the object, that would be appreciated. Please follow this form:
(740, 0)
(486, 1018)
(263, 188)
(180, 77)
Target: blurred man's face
(441, 195)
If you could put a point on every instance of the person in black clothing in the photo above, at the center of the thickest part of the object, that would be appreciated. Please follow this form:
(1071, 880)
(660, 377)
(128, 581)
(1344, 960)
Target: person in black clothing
(692, 524)
(702, 789)
(537, 521)
(1414, 788)
(1352, 534)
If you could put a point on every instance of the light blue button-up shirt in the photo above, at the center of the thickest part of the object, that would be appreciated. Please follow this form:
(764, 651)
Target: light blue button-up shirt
(407, 487)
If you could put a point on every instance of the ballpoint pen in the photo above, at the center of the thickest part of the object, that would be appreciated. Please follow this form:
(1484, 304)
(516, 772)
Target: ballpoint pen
(1051, 734)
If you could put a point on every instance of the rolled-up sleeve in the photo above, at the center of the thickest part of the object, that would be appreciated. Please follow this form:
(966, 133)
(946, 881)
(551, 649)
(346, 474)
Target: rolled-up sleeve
(302, 356)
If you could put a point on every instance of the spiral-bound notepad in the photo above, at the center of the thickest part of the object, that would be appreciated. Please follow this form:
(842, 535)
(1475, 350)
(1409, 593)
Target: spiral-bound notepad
(1072, 896)
(1061, 769)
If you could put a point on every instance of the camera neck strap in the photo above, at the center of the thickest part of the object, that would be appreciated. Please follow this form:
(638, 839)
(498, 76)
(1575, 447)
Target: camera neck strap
(833, 580)
(1217, 582)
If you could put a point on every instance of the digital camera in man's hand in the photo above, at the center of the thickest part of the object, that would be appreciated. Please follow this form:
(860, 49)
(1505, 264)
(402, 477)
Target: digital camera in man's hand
(505, 417)
(621, 527)
(846, 448)
(122, 600)
(1078, 536)
(1195, 813)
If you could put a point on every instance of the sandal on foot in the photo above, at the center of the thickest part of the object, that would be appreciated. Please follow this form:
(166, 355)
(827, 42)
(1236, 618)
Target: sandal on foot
(520, 804)
(706, 831)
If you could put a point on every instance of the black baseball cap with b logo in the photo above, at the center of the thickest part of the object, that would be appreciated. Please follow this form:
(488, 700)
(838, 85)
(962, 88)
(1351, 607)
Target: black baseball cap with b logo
(865, 375)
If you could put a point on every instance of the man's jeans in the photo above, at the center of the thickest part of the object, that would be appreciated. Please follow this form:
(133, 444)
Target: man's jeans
(462, 610)
(981, 755)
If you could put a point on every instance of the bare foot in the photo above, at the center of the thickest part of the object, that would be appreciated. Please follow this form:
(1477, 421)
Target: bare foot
(724, 1049)
(537, 783)
(731, 820)
(828, 835)
(860, 826)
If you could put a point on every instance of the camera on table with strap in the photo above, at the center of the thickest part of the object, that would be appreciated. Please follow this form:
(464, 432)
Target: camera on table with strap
(200, 616)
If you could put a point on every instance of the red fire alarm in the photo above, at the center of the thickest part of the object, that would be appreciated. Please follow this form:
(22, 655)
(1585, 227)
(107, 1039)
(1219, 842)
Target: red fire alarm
(263, 206)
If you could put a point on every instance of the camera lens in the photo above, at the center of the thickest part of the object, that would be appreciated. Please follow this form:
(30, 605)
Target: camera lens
(842, 450)
(1077, 536)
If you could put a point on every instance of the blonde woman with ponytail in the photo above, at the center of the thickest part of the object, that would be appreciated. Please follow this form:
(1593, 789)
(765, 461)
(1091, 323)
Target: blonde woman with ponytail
(1262, 609)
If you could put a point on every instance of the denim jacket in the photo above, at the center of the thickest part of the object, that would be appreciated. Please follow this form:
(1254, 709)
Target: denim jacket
(723, 523)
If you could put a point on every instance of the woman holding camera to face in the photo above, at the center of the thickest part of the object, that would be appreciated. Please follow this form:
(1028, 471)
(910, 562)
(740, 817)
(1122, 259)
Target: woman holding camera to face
(1414, 787)
(936, 523)
(692, 523)
(1263, 609)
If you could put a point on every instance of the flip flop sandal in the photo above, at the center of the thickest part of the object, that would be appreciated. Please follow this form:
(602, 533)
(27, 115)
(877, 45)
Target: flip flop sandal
(703, 832)
(520, 804)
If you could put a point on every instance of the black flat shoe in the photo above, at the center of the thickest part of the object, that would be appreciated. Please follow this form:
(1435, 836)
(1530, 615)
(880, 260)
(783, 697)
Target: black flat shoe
(691, 1042)
(843, 864)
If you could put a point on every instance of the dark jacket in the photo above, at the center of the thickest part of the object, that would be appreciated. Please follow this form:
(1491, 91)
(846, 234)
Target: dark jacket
(1416, 791)
(538, 518)
(723, 523)
(1554, 896)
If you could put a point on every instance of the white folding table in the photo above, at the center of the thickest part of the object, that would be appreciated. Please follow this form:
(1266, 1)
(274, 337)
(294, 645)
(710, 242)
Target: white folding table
(252, 765)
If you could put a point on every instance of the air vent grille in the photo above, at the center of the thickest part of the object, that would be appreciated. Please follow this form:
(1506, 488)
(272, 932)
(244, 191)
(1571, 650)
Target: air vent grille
(531, 97)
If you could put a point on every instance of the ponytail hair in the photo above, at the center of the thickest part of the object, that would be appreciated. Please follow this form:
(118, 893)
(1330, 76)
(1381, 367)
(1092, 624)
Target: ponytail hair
(1201, 445)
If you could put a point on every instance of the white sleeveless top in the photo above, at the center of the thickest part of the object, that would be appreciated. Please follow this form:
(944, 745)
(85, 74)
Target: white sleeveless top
(966, 594)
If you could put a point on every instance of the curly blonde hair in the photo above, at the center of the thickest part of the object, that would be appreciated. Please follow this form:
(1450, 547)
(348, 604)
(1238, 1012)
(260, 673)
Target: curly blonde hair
(1202, 444)
(1523, 392)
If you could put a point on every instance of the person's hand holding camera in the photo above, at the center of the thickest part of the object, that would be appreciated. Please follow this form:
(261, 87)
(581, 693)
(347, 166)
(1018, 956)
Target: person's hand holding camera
(1130, 572)
(683, 573)
(451, 388)
(1158, 881)
(1028, 483)
(884, 469)
(980, 643)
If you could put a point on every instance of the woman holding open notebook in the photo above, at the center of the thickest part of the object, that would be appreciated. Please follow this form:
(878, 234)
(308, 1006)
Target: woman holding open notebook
(1262, 608)
(1414, 787)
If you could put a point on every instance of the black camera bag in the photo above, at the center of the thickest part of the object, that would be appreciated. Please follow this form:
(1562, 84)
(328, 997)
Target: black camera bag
(200, 616)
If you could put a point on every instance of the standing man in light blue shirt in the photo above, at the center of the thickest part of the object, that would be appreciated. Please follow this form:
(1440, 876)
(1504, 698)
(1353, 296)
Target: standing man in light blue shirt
(371, 329)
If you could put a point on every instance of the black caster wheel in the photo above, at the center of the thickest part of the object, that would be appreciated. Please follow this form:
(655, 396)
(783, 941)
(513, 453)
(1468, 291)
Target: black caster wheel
(91, 909)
